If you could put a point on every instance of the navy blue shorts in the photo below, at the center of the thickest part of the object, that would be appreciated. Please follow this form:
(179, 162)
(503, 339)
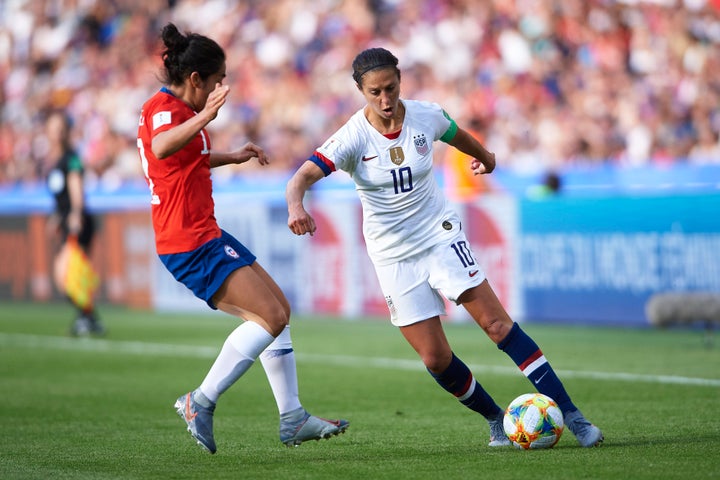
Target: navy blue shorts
(204, 269)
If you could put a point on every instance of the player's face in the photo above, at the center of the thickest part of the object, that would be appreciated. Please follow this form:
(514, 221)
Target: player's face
(56, 128)
(381, 89)
(208, 86)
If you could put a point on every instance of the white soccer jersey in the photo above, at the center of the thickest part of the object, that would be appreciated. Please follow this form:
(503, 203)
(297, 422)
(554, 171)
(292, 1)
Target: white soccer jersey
(404, 209)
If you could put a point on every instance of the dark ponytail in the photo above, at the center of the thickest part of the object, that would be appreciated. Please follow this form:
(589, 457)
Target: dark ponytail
(185, 54)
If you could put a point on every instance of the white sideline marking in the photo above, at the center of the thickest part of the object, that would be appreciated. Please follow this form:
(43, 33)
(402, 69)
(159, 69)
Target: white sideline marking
(170, 350)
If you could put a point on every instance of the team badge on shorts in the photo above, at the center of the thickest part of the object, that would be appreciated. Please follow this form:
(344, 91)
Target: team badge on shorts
(447, 225)
(230, 252)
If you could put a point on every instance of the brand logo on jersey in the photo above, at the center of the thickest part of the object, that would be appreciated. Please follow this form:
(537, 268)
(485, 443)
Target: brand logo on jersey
(397, 156)
(421, 144)
(473, 273)
(230, 252)
(365, 159)
(447, 225)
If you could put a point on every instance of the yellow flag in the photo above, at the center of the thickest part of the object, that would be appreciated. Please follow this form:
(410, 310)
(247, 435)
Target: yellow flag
(81, 281)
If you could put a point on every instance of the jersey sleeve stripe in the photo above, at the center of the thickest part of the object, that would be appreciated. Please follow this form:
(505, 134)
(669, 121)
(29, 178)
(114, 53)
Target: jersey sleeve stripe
(75, 164)
(325, 164)
(451, 131)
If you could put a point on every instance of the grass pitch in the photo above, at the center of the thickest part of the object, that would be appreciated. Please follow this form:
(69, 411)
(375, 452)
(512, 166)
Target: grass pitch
(102, 408)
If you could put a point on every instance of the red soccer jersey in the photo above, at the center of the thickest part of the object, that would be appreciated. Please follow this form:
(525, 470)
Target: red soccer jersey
(183, 211)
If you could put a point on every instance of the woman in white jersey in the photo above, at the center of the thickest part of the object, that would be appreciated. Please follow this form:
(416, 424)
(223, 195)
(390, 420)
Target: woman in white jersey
(416, 241)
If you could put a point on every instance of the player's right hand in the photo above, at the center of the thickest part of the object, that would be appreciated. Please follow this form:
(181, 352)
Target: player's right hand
(215, 100)
(301, 222)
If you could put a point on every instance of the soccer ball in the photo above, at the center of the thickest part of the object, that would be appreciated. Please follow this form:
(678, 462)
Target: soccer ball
(533, 420)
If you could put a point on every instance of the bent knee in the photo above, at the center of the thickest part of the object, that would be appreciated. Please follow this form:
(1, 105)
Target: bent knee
(277, 321)
(496, 328)
(437, 362)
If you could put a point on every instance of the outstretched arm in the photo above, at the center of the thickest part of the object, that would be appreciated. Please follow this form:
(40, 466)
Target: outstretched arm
(300, 221)
(247, 152)
(483, 161)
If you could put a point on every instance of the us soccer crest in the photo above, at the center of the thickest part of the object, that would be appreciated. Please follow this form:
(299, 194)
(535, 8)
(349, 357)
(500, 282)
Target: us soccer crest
(397, 156)
(421, 144)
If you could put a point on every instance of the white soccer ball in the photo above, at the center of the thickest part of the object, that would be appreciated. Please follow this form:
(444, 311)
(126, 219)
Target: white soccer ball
(533, 421)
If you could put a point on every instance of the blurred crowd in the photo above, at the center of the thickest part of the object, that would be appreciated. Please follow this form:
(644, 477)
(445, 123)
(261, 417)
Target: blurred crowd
(543, 83)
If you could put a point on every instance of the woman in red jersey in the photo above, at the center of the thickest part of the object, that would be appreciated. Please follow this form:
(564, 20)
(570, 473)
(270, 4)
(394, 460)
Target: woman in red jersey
(176, 156)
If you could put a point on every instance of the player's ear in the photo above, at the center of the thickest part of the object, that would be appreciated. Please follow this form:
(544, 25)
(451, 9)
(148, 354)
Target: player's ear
(196, 80)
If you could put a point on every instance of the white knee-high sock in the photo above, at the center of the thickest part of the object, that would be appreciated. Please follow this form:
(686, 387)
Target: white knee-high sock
(237, 355)
(278, 360)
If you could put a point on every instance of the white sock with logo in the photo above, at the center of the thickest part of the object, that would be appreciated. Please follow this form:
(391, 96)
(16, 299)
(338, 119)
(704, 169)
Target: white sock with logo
(278, 360)
(237, 355)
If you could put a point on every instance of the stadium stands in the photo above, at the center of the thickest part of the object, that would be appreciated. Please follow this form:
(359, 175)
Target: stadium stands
(550, 83)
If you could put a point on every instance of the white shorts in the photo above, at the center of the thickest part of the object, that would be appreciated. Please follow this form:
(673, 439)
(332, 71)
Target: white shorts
(414, 288)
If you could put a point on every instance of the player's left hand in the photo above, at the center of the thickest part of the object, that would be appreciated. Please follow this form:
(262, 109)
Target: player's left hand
(74, 222)
(483, 167)
(250, 151)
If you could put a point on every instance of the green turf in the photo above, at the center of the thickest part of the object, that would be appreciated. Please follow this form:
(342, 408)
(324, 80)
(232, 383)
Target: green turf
(102, 409)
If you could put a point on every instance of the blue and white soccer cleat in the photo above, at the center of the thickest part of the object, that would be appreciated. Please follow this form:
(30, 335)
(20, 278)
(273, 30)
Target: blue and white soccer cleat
(310, 427)
(199, 420)
(498, 438)
(587, 434)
